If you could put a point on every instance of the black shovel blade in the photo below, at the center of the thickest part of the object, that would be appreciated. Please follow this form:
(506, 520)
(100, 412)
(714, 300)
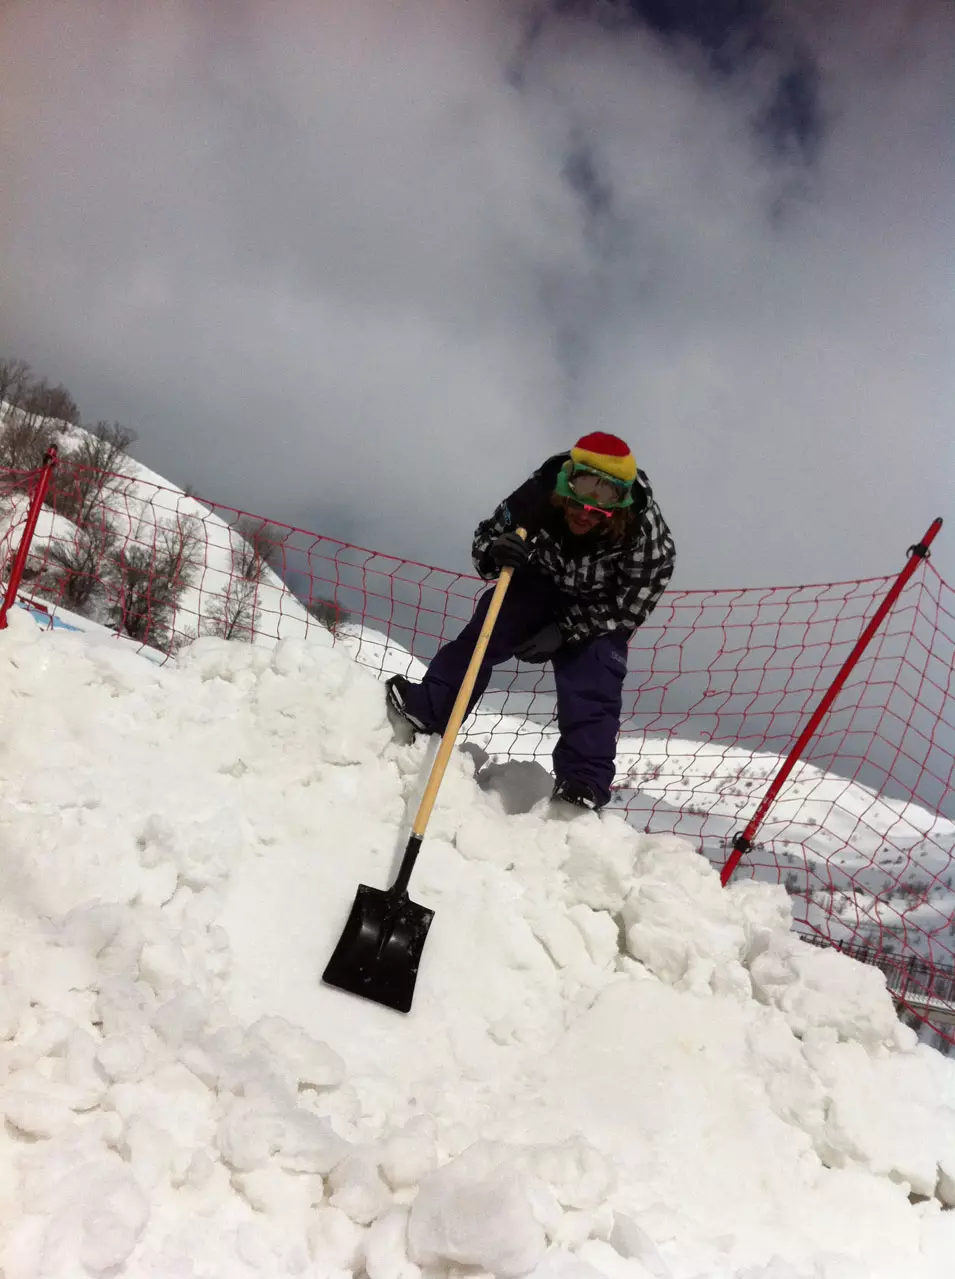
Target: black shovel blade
(380, 948)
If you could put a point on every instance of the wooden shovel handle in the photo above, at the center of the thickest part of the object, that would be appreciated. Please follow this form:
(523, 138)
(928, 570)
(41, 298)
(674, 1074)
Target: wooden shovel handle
(461, 702)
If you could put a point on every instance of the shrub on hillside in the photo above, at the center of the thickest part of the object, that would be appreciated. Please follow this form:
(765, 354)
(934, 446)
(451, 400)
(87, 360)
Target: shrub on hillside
(76, 573)
(329, 613)
(151, 578)
(88, 476)
(50, 402)
(24, 441)
(16, 378)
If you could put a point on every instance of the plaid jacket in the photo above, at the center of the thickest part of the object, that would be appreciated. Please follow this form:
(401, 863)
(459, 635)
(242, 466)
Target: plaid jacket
(610, 584)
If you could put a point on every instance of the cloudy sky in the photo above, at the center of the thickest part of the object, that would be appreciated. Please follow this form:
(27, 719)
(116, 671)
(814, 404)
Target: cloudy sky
(361, 264)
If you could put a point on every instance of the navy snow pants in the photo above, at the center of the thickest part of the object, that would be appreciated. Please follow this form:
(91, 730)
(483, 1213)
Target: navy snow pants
(589, 677)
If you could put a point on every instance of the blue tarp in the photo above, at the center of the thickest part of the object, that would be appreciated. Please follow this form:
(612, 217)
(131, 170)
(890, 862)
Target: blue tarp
(46, 619)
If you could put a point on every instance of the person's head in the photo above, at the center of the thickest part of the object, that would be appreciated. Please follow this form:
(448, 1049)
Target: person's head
(595, 486)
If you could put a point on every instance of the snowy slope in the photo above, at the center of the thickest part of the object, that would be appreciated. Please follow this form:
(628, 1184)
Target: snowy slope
(143, 502)
(865, 862)
(612, 1066)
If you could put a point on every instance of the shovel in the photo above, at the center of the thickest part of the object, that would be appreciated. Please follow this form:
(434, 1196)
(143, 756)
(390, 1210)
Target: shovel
(380, 947)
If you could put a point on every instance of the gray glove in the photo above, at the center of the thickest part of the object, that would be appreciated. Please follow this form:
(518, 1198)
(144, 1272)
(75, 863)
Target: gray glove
(541, 646)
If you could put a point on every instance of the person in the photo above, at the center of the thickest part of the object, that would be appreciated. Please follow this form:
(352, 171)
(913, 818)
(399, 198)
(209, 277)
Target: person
(597, 558)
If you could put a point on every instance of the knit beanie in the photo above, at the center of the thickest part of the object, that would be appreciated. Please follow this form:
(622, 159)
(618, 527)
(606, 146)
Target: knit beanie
(607, 454)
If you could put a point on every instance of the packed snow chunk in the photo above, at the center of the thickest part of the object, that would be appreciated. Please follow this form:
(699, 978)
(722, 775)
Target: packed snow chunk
(44, 974)
(246, 1138)
(630, 1240)
(180, 1021)
(938, 1241)
(765, 911)
(280, 1194)
(888, 1112)
(778, 1269)
(477, 1211)
(171, 1100)
(123, 1005)
(577, 1227)
(122, 1057)
(13, 1004)
(358, 1190)
(579, 1175)
(35, 1111)
(817, 988)
(600, 862)
(308, 1143)
(603, 1259)
(305, 1062)
(43, 1034)
(678, 920)
(484, 838)
(386, 1248)
(209, 659)
(407, 1156)
(250, 1135)
(564, 1265)
(196, 853)
(556, 933)
(79, 1069)
(794, 1090)
(600, 933)
(95, 1214)
(96, 926)
(334, 1240)
(345, 709)
(149, 1149)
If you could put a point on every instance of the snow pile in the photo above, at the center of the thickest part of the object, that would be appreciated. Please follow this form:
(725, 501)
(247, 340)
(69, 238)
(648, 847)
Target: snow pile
(613, 1067)
(869, 867)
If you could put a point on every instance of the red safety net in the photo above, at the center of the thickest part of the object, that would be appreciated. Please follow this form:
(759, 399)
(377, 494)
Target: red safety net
(720, 684)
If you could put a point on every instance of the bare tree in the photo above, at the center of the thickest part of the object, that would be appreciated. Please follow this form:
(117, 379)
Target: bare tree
(104, 446)
(263, 543)
(84, 480)
(232, 615)
(78, 570)
(152, 580)
(53, 402)
(24, 440)
(16, 378)
(253, 543)
(329, 613)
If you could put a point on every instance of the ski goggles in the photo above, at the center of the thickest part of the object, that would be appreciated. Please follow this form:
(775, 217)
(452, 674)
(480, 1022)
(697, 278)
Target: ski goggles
(592, 489)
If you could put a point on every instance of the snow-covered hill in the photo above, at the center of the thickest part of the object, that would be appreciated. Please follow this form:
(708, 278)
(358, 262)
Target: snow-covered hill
(613, 1066)
(140, 507)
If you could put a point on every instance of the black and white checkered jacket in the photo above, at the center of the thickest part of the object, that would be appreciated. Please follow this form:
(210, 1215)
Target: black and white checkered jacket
(611, 583)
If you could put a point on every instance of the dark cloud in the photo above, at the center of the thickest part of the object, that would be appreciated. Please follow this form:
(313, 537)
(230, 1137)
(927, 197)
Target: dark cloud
(360, 266)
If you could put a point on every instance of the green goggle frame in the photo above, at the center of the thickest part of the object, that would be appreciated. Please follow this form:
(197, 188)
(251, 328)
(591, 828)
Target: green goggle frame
(564, 488)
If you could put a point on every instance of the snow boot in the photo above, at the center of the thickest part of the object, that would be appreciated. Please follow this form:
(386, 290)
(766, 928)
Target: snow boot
(576, 794)
(405, 725)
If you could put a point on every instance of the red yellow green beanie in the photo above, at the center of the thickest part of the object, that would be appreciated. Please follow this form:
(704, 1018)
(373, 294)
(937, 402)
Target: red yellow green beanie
(607, 454)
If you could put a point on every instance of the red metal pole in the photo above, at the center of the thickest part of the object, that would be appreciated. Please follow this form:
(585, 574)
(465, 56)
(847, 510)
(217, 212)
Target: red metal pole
(743, 842)
(33, 514)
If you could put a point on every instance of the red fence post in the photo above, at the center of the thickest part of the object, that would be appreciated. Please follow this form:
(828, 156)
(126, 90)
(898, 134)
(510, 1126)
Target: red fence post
(33, 514)
(743, 842)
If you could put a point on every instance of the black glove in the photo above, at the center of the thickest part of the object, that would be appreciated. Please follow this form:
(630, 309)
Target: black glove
(509, 551)
(542, 645)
